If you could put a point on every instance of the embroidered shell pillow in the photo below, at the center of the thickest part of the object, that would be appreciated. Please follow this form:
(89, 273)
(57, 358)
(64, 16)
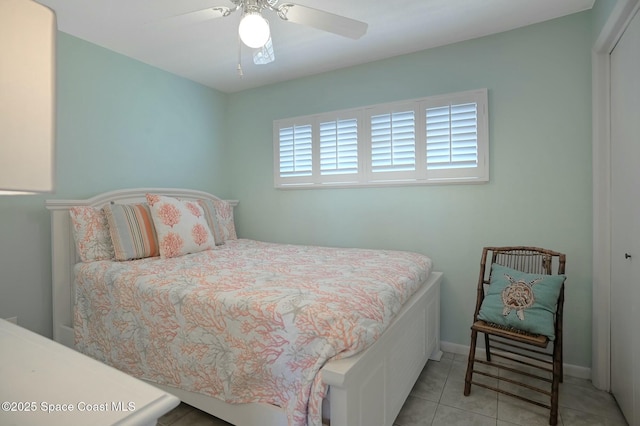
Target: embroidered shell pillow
(522, 301)
(180, 225)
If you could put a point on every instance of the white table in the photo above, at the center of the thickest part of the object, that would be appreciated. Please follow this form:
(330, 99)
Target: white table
(43, 382)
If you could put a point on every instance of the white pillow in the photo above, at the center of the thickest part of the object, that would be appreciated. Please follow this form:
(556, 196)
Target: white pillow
(180, 225)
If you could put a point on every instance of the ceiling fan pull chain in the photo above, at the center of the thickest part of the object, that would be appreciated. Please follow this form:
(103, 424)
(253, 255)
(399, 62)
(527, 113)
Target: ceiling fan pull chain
(240, 73)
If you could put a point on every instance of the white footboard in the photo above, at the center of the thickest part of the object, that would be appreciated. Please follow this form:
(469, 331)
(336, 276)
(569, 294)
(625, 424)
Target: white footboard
(370, 388)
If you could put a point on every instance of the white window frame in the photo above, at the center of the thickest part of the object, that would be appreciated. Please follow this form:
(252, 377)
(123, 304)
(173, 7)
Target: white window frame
(365, 176)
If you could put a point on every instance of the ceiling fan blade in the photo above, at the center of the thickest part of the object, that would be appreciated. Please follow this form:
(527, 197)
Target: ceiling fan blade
(322, 20)
(264, 55)
(199, 15)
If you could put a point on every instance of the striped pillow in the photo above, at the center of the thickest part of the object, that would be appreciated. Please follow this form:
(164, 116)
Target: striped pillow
(132, 231)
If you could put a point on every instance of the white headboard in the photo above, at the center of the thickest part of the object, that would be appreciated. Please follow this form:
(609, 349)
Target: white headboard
(63, 249)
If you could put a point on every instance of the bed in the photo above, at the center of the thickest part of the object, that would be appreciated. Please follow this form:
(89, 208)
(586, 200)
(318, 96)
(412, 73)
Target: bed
(364, 384)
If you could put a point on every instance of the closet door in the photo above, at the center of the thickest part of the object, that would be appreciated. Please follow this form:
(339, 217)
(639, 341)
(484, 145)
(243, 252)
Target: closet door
(625, 222)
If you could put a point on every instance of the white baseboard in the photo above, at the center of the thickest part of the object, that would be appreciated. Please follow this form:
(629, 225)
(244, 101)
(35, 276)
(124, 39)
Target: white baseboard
(569, 369)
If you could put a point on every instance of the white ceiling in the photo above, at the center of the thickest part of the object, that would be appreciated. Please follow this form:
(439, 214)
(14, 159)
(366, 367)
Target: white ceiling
(207, 51)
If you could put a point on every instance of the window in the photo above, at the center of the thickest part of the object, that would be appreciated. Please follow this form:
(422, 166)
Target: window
(393, 142)
(440, 139)
(338, 146)
(295, 151)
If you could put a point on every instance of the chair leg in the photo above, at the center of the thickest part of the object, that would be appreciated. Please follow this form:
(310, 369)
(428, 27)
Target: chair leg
(557, 379)
(561, 366)
(555, 390)
(472, 353)
(487, 347)
(560, 358)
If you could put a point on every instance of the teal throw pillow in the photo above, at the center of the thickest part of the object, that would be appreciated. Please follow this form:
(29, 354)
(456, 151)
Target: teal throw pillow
(522, 301)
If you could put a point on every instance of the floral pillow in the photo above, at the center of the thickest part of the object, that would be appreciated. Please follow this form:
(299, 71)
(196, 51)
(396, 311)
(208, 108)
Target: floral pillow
(224, 213)
(180, 225)
(91, 234)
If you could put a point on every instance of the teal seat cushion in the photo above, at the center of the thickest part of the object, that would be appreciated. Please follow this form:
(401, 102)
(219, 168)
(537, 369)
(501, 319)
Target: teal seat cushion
(522, 301)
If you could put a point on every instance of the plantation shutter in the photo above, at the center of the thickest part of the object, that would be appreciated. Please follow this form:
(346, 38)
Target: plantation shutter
(295, 151)
(339, 147)
(393, 142)
(452, 136)
(433, 140)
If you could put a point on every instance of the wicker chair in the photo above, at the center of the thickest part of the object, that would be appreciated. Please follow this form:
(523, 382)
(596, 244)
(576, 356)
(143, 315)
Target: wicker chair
(519, 354)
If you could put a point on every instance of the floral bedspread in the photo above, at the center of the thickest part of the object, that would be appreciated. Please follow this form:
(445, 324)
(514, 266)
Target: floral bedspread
(246, 322)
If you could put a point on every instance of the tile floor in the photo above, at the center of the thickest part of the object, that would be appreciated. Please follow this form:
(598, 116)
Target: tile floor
(437, 399)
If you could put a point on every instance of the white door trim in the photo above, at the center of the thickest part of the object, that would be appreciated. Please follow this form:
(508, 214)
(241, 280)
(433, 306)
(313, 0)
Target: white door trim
(601, 143)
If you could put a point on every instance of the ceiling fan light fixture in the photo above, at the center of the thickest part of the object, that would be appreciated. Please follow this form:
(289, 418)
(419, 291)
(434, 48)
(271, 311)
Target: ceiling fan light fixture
(254, 30)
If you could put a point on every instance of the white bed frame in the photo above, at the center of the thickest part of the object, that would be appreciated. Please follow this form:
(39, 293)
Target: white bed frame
(368, 389)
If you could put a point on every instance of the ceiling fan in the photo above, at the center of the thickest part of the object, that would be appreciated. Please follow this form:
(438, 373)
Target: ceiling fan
(254, 28)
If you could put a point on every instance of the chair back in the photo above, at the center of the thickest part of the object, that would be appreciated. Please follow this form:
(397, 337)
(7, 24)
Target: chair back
(531, 260)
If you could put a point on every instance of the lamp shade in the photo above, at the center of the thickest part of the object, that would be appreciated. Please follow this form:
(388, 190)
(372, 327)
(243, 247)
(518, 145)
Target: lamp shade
(254, 30)
(27, 98)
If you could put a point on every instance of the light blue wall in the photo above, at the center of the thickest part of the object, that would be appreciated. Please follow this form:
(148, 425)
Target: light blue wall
(539, 81)
(120, 123)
